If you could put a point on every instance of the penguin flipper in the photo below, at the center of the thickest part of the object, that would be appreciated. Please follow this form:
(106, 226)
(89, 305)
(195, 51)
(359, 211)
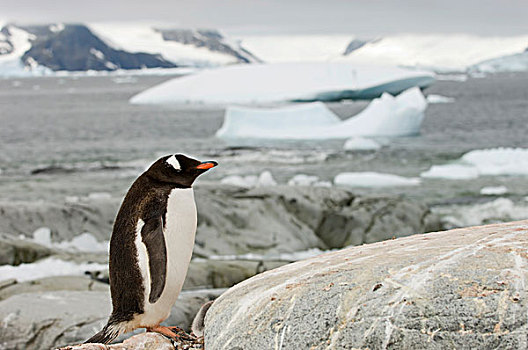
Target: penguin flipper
(154, 240)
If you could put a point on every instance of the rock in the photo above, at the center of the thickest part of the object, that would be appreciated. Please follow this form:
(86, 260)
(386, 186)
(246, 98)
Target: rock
(65, 220)
(224, 273)
(276, 219)
(45, 320)
(462, 289)
(144, 341)
(17, 251)
(264, 220)
(48, 284)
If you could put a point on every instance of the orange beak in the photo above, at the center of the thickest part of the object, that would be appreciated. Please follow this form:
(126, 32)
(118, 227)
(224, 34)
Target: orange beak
(207, 165)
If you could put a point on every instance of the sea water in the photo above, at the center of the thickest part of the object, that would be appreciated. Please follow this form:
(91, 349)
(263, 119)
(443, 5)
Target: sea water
(62, 137)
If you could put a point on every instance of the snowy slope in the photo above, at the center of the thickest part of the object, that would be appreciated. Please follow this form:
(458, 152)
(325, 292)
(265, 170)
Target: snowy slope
(439, 52)
(141, 37)
(442, 52)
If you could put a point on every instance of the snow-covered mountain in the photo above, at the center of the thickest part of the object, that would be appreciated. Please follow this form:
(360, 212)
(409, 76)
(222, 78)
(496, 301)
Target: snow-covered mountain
(440, 53)
(41, 49)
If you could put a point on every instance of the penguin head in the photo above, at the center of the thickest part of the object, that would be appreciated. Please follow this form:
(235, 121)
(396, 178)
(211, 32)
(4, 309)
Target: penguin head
(178, 169)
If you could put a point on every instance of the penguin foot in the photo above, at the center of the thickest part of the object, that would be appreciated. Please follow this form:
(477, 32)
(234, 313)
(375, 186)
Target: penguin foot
(175, 333)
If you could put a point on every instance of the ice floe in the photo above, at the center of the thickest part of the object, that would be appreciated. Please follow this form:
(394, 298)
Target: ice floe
(373, 180)
(268, 83)
(499, 210)
(493, 190)
(432, 98)
(308, 180)
(249, 181)
(46, 268)
(491, 162)
(385, 116)
(361, 144)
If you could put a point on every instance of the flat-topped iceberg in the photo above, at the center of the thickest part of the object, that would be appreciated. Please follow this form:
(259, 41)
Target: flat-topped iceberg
(268, 83)
(385, 116)
(483, 162)
(373, 180)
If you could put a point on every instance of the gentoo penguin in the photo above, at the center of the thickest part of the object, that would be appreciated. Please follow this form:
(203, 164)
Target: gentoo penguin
(151, 246)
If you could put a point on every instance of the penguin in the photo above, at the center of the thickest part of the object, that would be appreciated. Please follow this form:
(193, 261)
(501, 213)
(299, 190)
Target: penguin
(151, 246)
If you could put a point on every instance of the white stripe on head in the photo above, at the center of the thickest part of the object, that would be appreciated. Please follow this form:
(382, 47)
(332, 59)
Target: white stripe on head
(174, 162)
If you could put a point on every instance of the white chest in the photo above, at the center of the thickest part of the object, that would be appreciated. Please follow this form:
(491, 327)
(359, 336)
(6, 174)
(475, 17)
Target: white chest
(180, 229)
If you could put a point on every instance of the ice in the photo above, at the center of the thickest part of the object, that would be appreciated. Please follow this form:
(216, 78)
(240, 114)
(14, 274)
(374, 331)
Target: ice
(42, 236)
(442, 52)
(46, 268)
(308, 180)
(268, 83)
(493, 190)
(361, 144)
(490, 162)
(384, 116)
(249, 181)
(451, 172)
(374, 180)
(432, 98)
(499, 210)
(511, 63)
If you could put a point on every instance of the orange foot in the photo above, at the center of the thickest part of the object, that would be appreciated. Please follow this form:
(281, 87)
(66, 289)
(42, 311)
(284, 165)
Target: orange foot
(175, 333)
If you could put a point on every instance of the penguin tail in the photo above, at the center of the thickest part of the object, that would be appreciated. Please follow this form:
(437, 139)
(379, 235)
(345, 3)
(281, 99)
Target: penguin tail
(109, 332)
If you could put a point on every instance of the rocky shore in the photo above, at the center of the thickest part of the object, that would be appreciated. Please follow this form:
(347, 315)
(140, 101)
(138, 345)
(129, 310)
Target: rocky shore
(241, 233)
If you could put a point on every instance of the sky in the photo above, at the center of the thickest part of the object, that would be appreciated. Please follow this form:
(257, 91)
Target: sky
(359, 17)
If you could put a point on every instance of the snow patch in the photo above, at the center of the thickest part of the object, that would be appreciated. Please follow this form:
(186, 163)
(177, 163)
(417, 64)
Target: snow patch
(46, 268)
(267, 83)
(485, 162)
(374, 180)
(384, 116)
(84, 242)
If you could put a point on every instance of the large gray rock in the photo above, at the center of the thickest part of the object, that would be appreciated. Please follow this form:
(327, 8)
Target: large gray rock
(15, 251)
(277, 219)
(48, 284)
(458, 289)
(35, 321)
(66, 220)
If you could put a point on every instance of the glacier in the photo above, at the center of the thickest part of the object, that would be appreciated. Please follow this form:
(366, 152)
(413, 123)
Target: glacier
(385, 116)
(278, 82)
(510, 63)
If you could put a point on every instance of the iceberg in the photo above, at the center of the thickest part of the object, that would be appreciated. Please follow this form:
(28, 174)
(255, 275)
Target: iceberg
(484, 162)
(511, 63)
(278, 82)
(385, 116)
(373, 180)
(361, 144)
